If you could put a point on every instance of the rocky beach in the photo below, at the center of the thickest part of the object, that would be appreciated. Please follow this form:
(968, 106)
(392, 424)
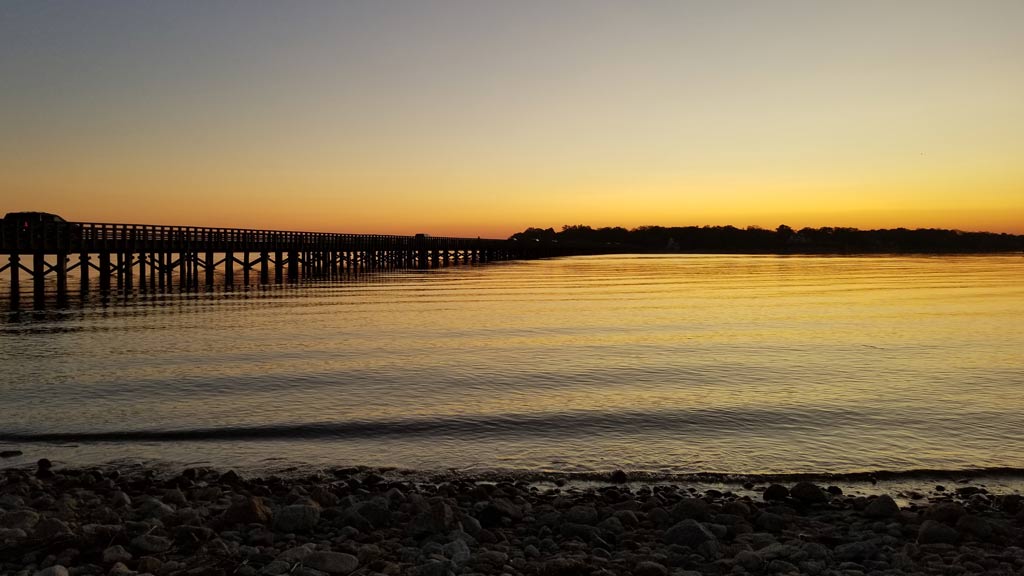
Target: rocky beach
(198, 521)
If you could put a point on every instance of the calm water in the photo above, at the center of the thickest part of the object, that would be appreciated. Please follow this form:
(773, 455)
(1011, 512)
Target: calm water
(670, 364)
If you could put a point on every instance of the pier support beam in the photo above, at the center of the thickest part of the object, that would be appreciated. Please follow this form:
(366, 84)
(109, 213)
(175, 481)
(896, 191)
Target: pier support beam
(15, 263)
(105, 272)
(142, 271)
(229, 268)
(209, 268)
(129, 271)
(38, 279)
(83, 272)
(293, 266)
(61, 268)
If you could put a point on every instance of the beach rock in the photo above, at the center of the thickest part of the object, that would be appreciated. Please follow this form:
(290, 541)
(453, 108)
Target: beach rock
(782, 567)
(120, 500)
(495, 512)
(458, 552)
(1010, 503)
(815, 550)
(471, 525)
(619, 477)
(855, 552)
(120, 569)
(945, 512)
(611, 525)
(627, 518)
(207, 493)
(324, 497)
(149, 564)
(976, 527)
(750, 561)
(582, 515)
(44, 469)
(296, 518)
(19, 520)
(10, 453)
(116, 554)
(276, 568)
(584, 532)
(183, 516)
(770, 522)
(191, 535)
(438, 518)
(151, 544)
(56, 570)
(808, 493)
(102, 532)
(736, 508)
(48, 528)
(775, 492)
(434, 568)
(934, 532)
(690, 533)
(11, 501)
(331, 562)
(648, 568)
(694, 508)
(659, 516)
(494, 559)
(250, 510)
(175, 496)
(12, 534)
(564, 567)
(296, 553)
(882, 507)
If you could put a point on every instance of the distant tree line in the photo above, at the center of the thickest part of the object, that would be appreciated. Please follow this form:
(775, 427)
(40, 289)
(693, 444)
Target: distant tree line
(783, 239)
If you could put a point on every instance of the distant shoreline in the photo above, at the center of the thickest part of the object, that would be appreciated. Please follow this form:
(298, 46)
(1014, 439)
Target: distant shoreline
(782, 240)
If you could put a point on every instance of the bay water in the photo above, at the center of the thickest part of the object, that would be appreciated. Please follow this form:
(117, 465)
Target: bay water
(668, 364)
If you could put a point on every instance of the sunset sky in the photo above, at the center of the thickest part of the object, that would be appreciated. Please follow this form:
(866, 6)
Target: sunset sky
(481, 118)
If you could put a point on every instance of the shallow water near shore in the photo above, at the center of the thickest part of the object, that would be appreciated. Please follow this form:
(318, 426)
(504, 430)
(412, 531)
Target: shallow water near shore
(671, 365)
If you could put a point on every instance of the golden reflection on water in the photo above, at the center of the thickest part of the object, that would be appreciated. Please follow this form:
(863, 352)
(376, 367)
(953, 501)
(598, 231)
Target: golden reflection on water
(670, 363)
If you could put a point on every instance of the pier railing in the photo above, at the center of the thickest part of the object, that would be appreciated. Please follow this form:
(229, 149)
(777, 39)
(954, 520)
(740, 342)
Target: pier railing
(94, 237)
(126, 256)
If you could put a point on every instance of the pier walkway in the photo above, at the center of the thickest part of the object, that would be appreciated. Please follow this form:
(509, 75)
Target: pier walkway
(126, 256)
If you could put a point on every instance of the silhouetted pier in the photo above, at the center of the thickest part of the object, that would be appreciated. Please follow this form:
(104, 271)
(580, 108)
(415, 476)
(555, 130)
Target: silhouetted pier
(138, 256)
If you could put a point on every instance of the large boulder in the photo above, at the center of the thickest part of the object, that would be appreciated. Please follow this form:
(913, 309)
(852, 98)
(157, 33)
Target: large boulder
(808, 493)
(775, 492)
(882, 507)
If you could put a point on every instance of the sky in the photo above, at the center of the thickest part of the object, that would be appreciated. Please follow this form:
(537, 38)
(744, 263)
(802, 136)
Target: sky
(481, 118)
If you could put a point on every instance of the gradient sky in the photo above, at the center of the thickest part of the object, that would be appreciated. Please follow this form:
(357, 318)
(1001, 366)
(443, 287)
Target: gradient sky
(482, 118)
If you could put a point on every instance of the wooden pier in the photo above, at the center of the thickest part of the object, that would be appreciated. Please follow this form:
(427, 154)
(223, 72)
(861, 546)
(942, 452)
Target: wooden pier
(128, 257)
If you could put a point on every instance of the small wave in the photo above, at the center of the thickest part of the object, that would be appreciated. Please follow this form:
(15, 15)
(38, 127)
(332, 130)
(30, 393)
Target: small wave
(507, 425)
